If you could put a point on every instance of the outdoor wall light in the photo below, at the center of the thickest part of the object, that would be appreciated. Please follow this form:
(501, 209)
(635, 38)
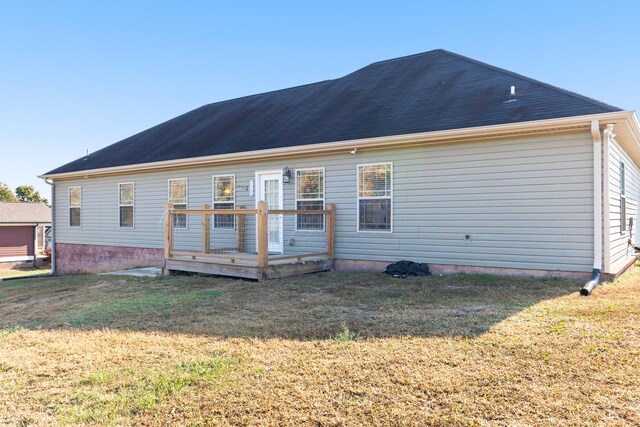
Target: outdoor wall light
(286, 175)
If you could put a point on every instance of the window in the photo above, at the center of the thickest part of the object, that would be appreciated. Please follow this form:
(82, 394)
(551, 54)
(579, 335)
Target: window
(310, 197)
(623, 200)
(178, 197)
(75, 204)
(375, 186)
(224, 197)
(125, 204)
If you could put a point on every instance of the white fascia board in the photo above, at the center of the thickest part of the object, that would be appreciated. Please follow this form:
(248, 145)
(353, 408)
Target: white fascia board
(436, 137)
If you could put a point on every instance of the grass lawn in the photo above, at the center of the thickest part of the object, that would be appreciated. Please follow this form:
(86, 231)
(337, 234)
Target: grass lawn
(325, 349)
(19, 273)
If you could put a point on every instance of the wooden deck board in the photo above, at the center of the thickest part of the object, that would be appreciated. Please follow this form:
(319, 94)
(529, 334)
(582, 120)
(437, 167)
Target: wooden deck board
(246, 266)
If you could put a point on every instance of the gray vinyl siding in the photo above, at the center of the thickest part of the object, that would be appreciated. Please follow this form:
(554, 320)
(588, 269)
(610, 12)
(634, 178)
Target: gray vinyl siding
(526, 203)
(620, 251)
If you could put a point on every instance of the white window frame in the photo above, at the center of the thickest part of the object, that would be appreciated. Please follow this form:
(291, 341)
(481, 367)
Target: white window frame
(133, 205)
(358, 198)
(79, 206)
(213, 198)
(324, 185)
(186, 220)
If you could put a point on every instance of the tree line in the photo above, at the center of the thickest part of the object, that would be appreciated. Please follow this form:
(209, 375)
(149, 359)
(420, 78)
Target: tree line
(23, 193)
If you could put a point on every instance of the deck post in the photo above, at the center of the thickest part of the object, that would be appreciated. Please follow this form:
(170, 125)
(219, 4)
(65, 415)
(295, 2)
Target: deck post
(331, 231)
(168, 231)
(263, 233)
(240, 229)
(206, 230)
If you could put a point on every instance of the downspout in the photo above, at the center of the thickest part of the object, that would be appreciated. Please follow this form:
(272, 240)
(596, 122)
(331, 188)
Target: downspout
(34, 263)
(606, 199)
(53, 226)
(597, 210)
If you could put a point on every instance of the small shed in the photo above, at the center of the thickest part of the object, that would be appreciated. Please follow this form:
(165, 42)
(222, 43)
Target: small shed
(22, 232)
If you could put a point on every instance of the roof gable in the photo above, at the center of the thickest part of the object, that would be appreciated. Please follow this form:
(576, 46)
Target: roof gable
(431, 91)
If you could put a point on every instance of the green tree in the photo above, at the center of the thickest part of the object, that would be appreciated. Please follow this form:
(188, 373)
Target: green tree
(26, 193)
(6, 195)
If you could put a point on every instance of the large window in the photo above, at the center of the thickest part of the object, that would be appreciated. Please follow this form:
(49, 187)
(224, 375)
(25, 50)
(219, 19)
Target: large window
(310, 197)
(623, 200)
(224, 197)
(125, 204)
(375, 187)
(178, 197)
(75, 205)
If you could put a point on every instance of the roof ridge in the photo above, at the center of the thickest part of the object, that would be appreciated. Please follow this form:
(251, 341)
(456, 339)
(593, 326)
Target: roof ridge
(388, 60)
(325, 81)
(535, 81)
(405, 57)
(363, 104)
(268, 92)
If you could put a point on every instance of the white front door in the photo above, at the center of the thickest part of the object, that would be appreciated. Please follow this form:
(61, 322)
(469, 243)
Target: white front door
(270, 190)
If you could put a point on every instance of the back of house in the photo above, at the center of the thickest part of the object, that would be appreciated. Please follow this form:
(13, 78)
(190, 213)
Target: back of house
(433, 158)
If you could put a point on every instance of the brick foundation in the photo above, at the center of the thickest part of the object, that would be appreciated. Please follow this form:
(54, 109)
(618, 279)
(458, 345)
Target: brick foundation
(75, 259)
(361, 265)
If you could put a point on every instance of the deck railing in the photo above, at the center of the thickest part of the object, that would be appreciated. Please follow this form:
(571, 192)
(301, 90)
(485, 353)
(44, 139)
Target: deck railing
(242, 236)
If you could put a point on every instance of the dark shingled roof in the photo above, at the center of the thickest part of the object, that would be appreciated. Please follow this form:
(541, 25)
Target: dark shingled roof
(431, 91)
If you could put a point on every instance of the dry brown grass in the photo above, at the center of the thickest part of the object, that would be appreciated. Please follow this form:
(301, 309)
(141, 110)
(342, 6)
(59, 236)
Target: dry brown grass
(4, 274)
(457, 350)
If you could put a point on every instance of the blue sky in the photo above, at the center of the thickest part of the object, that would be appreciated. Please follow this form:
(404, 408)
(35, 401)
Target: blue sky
(80, 75)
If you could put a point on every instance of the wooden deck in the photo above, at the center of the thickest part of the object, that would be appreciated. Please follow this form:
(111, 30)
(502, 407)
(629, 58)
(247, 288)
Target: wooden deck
(247, 268)
(234, 261)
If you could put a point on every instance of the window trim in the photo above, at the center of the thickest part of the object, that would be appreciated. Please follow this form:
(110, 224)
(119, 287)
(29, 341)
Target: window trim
(623, 179)
(358, 198)
(213, 199)
(324, 196)
(70, 206)
(133, 205)
(186, 220)
(623, 198)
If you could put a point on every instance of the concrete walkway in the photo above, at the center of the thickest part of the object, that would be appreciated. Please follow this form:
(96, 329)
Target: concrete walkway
(138, 272)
